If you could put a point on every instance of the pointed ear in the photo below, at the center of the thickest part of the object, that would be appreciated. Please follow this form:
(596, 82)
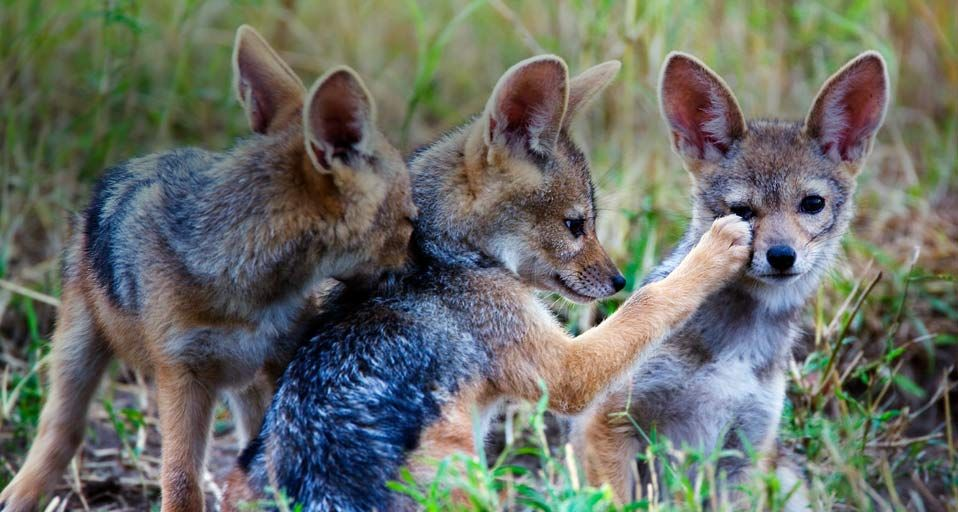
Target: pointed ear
(526, 108)
(339, 117)
(850, 108)
(265, 85)
(703, 117)
(586, 87)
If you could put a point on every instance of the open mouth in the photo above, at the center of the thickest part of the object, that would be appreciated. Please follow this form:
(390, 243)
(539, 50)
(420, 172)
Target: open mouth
(569, 292)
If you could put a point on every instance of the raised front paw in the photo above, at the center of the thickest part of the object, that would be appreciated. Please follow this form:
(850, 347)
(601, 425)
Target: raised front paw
(730, 236)
(723, 251)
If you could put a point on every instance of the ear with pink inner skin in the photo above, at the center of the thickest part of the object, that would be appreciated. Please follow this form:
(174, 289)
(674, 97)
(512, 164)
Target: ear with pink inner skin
(703, 116)
(264, 84)
(339, 118)
(849, 109)
(586, 86)
(527, 106)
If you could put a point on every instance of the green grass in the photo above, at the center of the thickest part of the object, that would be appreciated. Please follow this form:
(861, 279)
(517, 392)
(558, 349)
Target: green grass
(871, 404)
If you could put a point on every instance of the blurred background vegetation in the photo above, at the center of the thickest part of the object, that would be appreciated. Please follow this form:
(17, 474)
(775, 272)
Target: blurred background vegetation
(84, 84)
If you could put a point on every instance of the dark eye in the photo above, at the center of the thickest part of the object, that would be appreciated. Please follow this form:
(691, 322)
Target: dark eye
(576, 226)
(812, 204)
(743, 211)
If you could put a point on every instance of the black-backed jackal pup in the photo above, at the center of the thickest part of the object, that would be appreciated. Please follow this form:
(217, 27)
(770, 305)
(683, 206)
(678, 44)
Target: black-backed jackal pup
(392, 374)
(195, 265)
(719, 382)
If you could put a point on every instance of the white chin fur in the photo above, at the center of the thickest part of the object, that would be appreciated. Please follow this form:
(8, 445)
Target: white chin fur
(783, 294)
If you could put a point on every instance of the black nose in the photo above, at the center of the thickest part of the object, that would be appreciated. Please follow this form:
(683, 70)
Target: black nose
(618, 282)
(781, 257)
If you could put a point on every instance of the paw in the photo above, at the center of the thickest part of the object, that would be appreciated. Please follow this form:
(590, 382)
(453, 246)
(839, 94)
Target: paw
(732, 234)
(18, 504)
(725, 249)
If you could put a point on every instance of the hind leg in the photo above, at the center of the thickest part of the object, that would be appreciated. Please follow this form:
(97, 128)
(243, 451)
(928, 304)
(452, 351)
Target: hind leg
(607, 446)
(794, 488)
(248, 406)
(79, 356)
(612, 460)
(452, 434)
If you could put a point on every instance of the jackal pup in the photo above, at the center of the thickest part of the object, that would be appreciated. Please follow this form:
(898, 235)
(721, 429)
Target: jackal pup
(391, 375)
(195, 265)
(719, 382)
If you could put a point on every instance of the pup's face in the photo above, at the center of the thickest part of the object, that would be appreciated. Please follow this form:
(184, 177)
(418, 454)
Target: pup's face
(798, 203)
(547, 231)
(537, 182)
(792, 181)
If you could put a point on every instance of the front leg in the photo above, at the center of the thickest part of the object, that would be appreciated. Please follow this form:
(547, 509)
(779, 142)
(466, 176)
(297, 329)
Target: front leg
(578, 370)
(186, 409)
